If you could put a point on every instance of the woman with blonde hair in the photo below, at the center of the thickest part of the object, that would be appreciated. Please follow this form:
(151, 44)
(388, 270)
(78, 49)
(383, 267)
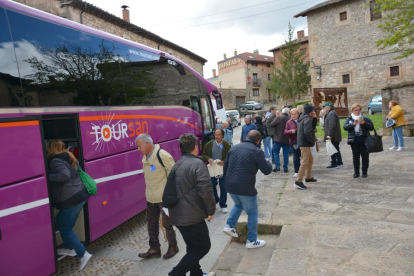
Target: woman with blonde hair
(291, 131)
(397, 113)
(358, 128)
(69, 195)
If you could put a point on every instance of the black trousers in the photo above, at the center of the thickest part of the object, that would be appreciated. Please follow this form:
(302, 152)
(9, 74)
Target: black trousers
(197, 239)
(359, 149)
(336, 159)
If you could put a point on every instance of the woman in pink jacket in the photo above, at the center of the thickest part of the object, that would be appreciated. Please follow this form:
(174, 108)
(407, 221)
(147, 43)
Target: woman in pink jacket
(291, 132)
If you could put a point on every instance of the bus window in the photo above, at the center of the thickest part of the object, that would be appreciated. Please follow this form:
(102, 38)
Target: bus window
(10, 88)
(195, 104)
(206, 115)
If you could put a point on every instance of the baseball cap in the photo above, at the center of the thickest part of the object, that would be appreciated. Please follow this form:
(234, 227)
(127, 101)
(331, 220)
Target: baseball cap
(327, 104)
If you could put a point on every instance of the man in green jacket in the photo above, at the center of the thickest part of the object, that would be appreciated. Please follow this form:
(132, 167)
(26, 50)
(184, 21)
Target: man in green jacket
(217, 149)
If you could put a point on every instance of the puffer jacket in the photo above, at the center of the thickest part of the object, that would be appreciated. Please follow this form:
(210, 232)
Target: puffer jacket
(349, 126)
(241, 166)
(332, 126)
(279, 123)
(293, 137)
(397, 114)
(269, 128)
(306, 133)
(67, 187)
(193, 184)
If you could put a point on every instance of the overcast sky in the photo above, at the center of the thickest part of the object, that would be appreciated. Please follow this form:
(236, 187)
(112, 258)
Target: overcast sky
(263, 27)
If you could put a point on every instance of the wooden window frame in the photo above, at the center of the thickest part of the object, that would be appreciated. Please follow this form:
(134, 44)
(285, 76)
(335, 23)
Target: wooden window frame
(257, 92)
(391, 71)
(373, 15)
(341, 14)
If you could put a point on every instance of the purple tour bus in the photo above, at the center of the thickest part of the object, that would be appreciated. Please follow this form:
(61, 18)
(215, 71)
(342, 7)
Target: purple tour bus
(96, 92)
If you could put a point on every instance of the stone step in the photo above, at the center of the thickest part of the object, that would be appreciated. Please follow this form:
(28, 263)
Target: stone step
(237, 260)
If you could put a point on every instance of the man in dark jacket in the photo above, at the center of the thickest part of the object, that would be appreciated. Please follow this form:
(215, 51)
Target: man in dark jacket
(241, 166)
(306, 140)
(280, 140)
(196, 204)
(332, 130)
(247, 127)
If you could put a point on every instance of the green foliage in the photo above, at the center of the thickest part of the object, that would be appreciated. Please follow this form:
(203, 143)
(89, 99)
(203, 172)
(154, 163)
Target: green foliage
(292, 79)
(299, 103)
(398, 23)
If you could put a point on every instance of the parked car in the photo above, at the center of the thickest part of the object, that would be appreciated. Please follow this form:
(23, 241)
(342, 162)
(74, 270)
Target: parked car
(234, 121)
(252, 105)
(375, 104)
(236, 115)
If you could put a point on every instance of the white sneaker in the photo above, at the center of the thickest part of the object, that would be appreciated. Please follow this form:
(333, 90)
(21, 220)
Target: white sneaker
(224, 210)
(230, 231)
(400, 149)
(295, 175)
(66, 252)
(393, 148)
(255, 244)
(85, 260)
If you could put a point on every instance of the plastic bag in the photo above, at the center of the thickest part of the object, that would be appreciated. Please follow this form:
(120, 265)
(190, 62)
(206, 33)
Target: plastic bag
(330, 148)
(313, 152)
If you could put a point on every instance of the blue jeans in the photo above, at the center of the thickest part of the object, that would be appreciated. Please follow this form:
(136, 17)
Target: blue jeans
(267, 142)
(250, 206)
(65, 220)
(276, 150)
(223, 193)
(397, 134)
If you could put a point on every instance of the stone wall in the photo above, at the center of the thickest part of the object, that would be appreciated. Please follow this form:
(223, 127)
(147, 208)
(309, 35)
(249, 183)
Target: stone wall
(68, 12)
(404, 95)
(229, 97)
(348, 47)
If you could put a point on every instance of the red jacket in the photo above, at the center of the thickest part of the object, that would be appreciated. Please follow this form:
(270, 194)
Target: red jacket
(293, 137)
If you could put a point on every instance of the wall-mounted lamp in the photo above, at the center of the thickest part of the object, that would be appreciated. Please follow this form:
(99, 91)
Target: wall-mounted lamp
(318, 70)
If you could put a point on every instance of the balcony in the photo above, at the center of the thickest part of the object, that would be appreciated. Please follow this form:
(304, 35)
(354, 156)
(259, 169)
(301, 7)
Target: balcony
(257, 82)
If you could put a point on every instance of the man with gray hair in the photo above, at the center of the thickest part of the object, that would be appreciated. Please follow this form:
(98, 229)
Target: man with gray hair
(157, 164)
(247, 127)
(280, 140)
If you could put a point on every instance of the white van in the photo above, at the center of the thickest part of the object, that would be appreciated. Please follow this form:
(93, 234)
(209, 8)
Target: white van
(236, 114)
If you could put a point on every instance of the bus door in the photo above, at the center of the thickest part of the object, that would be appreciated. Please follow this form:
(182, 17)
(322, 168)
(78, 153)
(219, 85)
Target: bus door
(66, 127)
(26, 229)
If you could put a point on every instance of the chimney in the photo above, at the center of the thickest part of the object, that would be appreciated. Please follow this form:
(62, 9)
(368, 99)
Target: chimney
(125, 13)
(224, 55)
(301, 34)
(214, 73)
(256, 52)
(235, 52)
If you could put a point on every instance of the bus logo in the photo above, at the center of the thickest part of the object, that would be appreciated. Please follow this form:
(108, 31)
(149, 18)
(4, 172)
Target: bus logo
(106, 131)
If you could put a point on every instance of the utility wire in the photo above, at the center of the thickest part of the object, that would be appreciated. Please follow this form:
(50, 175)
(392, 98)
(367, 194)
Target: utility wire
(214, 14)
(249, 15)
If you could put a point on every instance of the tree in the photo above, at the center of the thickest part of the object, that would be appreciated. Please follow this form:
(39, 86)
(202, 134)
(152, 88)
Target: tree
(398, 23)
(292, 79)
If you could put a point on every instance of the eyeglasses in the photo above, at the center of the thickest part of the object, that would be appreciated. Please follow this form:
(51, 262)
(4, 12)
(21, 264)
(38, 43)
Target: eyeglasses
(357, 109)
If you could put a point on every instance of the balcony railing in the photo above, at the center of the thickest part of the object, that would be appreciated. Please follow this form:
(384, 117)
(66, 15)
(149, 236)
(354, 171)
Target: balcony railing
(257, 82)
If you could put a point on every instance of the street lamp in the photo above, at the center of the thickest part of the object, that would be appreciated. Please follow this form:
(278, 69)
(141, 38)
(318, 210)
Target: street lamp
(318, 70)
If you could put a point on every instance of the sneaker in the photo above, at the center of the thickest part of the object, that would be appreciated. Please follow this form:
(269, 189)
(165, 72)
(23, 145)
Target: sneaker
(393, 148)
(209, 274)
(332, 167)
(224, 210)
(230, 231)
(66, 252)
(255, 244)
(295, 175)
(310, 180)
(400, 149)
(276, 170)
(286, 171)
(300, 185)
(341, 165)
(85, 260)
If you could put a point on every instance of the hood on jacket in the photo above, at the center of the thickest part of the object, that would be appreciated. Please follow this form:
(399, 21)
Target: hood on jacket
(64, 156)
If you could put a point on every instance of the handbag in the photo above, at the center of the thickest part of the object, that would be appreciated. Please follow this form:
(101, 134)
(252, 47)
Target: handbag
(390, 123)
(374, 143)
(88, 181)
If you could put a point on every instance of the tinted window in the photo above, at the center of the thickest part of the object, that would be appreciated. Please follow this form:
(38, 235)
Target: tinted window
(11, 93)
(65, 67)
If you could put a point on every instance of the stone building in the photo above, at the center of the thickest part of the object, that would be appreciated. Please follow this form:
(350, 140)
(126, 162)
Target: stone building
(243, 77)
(343, 52)
(92, 16)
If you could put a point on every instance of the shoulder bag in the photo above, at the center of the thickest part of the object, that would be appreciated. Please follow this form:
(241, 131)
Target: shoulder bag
(390, 123)
(374, 143)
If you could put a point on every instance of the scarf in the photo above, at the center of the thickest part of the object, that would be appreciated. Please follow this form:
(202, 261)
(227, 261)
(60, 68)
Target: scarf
(357, 126)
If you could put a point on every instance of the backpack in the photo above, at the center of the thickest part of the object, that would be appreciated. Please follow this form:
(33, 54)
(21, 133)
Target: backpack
(170, 197)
